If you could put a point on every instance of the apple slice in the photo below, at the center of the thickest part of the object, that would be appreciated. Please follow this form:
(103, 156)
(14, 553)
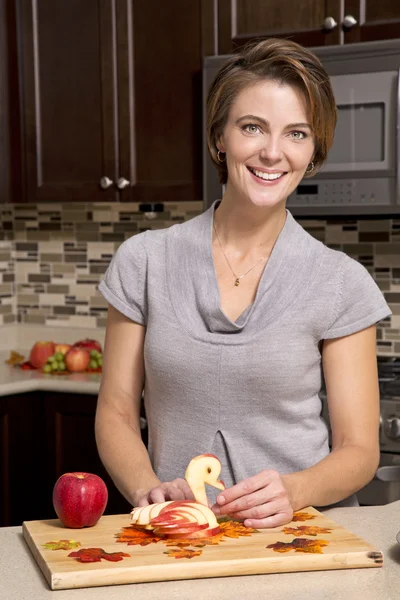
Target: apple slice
(203, 469)
(143, 516)
(135, 512)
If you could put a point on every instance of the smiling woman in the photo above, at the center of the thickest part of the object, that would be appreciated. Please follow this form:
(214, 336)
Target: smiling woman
(225, 321)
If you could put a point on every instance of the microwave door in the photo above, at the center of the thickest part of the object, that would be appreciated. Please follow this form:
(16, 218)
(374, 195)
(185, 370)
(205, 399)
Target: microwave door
(365, 135)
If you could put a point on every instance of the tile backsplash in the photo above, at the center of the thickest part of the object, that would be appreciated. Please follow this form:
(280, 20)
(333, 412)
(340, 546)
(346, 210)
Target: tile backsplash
(52, 257)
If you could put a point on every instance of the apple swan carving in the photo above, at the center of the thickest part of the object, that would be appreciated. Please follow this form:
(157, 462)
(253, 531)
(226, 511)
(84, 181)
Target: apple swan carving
(184, 518)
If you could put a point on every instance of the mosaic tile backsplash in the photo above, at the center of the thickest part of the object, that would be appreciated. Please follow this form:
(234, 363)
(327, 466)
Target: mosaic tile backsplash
(52, 258)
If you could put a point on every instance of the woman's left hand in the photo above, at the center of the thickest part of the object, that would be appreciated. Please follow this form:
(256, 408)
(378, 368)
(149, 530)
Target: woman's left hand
(261, 500)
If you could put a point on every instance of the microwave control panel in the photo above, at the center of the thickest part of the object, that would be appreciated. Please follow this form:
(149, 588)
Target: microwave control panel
(356, 192)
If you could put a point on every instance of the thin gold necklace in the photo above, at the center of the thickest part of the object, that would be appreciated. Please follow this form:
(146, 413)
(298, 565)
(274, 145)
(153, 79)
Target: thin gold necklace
(237, 279)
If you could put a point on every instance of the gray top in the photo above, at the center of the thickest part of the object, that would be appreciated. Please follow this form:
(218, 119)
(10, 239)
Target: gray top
(247, 391)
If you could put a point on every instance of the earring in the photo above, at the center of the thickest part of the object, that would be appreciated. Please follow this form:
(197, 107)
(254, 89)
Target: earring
(219, 153)
(310, 167)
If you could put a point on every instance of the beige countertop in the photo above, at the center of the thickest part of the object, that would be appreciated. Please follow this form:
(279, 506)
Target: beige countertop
(21, 578)
(21, 339)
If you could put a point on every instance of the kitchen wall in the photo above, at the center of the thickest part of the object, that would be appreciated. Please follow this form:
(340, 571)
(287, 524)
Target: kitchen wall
(52, 257)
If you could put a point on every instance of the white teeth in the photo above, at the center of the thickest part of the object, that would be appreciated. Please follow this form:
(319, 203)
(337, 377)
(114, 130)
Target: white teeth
(267, 176)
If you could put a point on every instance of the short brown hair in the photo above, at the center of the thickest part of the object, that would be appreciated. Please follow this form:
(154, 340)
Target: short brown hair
(277, 60)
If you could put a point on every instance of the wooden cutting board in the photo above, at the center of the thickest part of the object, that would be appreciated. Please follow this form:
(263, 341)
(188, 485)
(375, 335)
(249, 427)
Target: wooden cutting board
(244, 555)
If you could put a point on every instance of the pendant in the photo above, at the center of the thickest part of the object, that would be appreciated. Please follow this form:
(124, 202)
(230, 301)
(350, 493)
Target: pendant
(237, 282)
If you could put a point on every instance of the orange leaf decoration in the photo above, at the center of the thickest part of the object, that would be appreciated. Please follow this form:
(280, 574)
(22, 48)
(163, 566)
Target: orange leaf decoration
(303, 516)
(306, 530)
(86, 555)
(183, 553)
(135, 536)
(299, 545)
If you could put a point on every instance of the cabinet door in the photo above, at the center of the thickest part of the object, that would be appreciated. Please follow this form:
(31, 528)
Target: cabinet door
(159, 99)
(4, 465)
(72, 445)
(370, 20)
(23, 472)
(68, 73)
(308, 22)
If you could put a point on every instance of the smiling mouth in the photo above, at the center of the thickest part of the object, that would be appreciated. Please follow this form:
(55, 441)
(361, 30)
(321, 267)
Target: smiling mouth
(266, 176)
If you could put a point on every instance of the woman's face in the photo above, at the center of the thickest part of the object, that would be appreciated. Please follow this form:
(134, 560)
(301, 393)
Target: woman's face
(268, 143)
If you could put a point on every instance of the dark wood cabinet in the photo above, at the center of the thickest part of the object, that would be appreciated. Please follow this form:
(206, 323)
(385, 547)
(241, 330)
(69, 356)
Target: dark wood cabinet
(111, 99)
(308, 22)
(42, 436)
(374, 20)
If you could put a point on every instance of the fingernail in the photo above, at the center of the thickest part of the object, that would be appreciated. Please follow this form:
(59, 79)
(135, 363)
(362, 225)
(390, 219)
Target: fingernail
(216, 510)
(221, 499)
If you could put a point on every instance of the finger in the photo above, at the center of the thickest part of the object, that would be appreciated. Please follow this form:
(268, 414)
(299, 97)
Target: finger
(245, 503)
(143, 501)
(264, 511)
(246, 486)
(276, 520)
(183, 485)
(156, 495)
(174, 493)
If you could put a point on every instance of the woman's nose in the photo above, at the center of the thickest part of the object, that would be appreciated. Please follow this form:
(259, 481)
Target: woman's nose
(271, 149)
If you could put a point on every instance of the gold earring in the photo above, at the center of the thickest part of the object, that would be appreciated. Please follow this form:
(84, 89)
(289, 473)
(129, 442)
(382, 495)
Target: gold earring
(310, 167)
(221, 160)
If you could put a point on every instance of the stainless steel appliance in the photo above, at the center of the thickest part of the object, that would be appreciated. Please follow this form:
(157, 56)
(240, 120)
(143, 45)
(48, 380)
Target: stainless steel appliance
(385, 486)
(362, 174)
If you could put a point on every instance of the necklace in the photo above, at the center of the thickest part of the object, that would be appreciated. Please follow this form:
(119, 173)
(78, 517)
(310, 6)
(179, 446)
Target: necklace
(237, 279)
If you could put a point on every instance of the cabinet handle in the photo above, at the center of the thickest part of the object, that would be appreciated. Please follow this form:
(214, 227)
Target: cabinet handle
(122, 183)
(105, 183)
(329, 23)
(349, 21)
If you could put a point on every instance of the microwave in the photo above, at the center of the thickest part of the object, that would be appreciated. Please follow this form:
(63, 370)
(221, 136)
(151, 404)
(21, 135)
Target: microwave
(361, 176)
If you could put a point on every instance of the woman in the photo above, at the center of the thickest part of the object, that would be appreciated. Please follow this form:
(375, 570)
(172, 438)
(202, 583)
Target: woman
(226, 320)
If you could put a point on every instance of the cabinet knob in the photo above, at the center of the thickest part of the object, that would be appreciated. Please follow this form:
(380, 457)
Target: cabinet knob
(105, 183)
(349, 21)
(122, 183)
(329, 24)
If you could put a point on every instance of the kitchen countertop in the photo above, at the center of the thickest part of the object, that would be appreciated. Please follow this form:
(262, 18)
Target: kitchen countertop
(21, 578)
(16, 381)
(21, 338)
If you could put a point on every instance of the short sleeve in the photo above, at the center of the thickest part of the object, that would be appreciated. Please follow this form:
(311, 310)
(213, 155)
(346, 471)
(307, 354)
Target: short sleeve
(359, 303)
(123, 285)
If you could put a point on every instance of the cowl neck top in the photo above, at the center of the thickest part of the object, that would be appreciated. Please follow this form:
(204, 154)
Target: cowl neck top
(197, 303)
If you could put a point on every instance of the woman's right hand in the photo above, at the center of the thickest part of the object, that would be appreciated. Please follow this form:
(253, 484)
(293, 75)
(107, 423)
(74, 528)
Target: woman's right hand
(178, 489)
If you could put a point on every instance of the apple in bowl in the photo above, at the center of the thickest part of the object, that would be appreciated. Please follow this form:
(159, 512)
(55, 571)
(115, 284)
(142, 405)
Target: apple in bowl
(40, 352)
(79, 499)
(77, 359)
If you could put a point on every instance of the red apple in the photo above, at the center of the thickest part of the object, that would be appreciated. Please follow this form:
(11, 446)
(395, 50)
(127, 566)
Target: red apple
(79, 499)
(77, 359)
(63, 348)
(40, 352)
(89, 345)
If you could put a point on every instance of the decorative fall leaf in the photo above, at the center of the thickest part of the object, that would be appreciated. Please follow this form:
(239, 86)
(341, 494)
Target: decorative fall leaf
(135, 536)
(15, 358)
(182, 553)
(235, 529)
(306, 530)
(62, 545)
(86, 555)
(303, 516)
(299, 545)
